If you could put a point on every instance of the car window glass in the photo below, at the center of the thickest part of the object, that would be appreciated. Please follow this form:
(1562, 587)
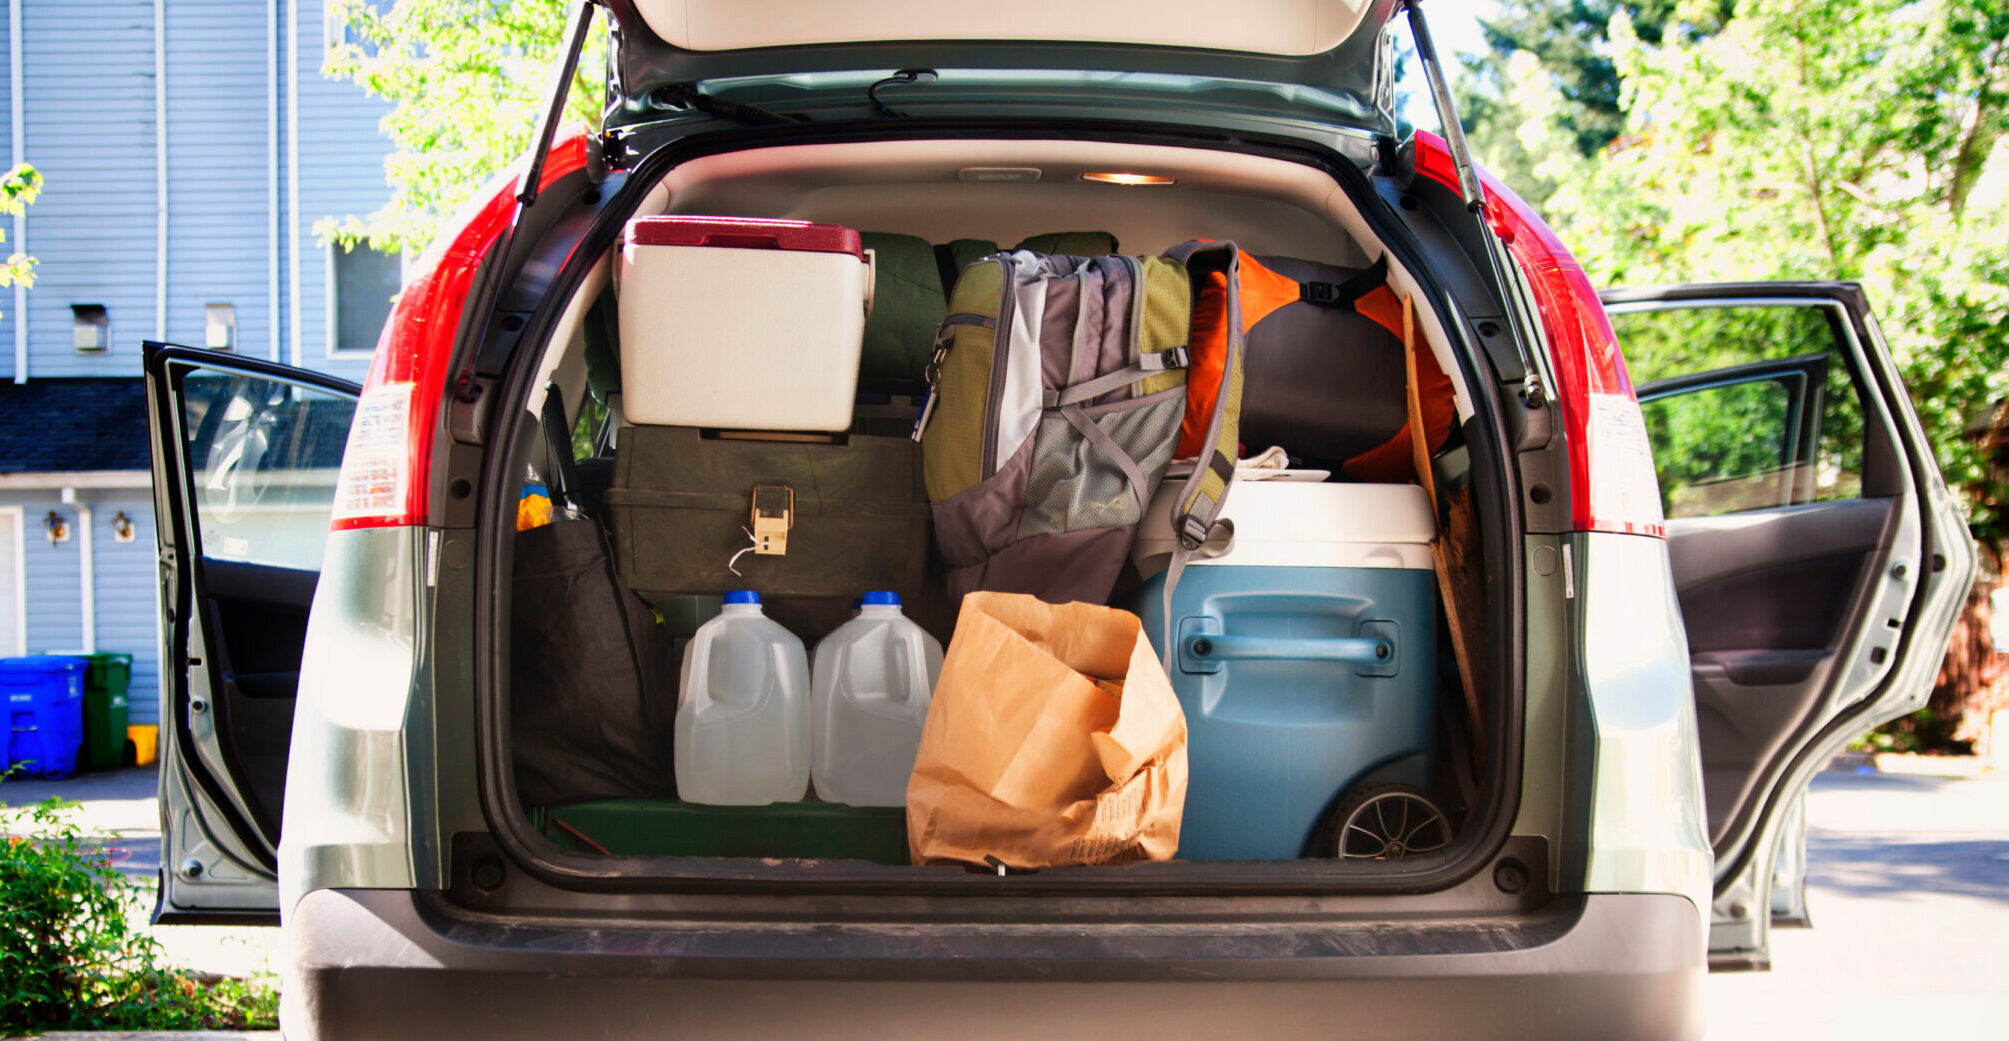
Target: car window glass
(1782, 426)
(1722, 448)
(263, 456)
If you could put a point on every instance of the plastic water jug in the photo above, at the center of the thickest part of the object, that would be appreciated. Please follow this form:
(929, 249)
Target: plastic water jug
(873, 677)
(742, 735)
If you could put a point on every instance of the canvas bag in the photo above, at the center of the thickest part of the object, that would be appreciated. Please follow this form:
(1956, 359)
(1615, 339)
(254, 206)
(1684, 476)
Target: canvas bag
(1057, 389)
(1053, 738)
(592, 691)
(681, 504)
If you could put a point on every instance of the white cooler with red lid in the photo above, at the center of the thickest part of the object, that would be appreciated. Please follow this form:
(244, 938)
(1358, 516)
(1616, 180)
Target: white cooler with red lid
(741, 323)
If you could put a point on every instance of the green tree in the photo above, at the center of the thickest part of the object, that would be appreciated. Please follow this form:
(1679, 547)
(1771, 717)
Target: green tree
(19, 188)
(1547, 89)
(1853, 139)
(467, 79)
(1571, 42)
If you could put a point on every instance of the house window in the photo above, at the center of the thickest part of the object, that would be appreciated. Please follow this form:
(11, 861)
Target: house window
(13, 604)
(361, 283)
(337, 31)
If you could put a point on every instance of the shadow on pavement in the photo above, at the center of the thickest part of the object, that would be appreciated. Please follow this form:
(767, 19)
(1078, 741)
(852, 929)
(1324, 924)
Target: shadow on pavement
(1871, 781)
(116, 806)
(1899, 865)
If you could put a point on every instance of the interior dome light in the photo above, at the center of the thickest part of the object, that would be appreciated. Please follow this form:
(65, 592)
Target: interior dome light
(1126, 177)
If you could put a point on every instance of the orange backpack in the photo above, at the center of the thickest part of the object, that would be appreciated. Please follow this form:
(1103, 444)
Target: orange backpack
(1278, 311)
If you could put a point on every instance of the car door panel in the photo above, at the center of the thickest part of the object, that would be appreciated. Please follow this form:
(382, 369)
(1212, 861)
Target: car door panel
(245, 457)
(1774, 581)
(1803, 503)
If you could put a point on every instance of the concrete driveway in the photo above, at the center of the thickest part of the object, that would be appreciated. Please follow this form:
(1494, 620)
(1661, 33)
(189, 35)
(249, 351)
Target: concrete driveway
(1908, 889)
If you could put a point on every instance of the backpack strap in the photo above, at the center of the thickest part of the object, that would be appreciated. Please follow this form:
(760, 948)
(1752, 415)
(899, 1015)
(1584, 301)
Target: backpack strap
(1200, 498)
(1196, 512)
(1345, 294)
(558, 439)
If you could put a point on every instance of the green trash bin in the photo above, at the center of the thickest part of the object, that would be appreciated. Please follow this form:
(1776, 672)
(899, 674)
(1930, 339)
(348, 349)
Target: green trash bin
(106, 677)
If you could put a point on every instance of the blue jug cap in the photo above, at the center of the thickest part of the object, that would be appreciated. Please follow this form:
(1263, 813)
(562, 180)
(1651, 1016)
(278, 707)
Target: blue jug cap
(882, 599)
(742, 596)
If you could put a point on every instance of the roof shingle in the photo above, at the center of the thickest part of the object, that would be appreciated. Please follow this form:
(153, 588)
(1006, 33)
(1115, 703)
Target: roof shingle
(82, 423)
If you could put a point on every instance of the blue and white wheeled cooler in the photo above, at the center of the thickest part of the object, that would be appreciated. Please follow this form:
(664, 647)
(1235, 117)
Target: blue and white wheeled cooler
(1305, 657)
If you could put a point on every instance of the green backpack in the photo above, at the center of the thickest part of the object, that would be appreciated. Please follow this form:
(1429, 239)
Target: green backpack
(1058, 384)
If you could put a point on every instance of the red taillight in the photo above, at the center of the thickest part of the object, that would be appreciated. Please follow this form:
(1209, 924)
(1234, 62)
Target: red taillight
(1611, 462)
(383, 479)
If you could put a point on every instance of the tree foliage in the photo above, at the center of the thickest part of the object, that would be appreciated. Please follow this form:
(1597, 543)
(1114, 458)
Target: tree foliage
(1851, 139)
(19, 188)
(1569, 42)
(467, 80)
(1848, 139)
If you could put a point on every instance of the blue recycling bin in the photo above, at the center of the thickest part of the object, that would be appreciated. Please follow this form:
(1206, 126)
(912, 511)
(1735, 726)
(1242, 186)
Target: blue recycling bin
(45, 709)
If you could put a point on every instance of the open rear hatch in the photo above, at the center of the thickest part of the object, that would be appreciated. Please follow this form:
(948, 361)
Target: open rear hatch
(1287, 56)
(1325, 558)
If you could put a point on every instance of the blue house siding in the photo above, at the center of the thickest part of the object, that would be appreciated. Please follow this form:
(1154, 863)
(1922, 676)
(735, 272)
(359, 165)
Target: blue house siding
(89, 104)
(218, 81)
(93, 135)
(128, 595)
(127, 598)
(7, 160)
(88, 101)
(50, 577)
(336, 178)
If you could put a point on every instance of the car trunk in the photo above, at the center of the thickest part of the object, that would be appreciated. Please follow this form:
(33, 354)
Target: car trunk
(963, 196)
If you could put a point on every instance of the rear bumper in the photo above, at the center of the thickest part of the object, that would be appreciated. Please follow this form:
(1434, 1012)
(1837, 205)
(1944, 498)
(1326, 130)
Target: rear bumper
(395, 964)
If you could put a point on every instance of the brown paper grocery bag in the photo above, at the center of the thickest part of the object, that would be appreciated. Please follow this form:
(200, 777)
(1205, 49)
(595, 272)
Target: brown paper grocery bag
(1053, 738)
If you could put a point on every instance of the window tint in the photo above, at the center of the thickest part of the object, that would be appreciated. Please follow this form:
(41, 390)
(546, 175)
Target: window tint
(364, 281)
(1764, 411)
(263, 455)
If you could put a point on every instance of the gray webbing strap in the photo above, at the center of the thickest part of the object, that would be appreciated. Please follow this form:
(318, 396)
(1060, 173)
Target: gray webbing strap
(1148, 365)
(1220, 539)
(1196, 522)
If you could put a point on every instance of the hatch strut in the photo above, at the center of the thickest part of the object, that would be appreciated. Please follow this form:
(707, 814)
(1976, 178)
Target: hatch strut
(1475, 201)
(527, 186)
(554, 107)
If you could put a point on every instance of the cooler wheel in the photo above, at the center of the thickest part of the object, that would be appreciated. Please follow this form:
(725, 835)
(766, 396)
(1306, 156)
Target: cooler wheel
(1383, 822)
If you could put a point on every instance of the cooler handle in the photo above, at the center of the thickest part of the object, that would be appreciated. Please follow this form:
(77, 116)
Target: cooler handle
(1204, 651)
(1358, 650)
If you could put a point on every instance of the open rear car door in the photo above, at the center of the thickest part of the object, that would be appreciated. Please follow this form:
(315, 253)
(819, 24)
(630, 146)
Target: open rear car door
(1818, 558)
(245, 455)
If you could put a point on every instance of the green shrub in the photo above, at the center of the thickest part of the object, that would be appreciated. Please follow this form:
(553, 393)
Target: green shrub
(1925, 732)
(70, 956)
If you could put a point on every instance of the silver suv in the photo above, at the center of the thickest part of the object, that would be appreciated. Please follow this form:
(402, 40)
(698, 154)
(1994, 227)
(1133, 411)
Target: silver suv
(1707, 565)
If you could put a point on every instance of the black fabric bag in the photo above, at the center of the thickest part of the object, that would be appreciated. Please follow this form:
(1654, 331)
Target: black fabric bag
(593, 698)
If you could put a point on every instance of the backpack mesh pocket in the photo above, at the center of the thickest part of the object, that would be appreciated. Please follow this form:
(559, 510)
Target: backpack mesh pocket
(1074, 485)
